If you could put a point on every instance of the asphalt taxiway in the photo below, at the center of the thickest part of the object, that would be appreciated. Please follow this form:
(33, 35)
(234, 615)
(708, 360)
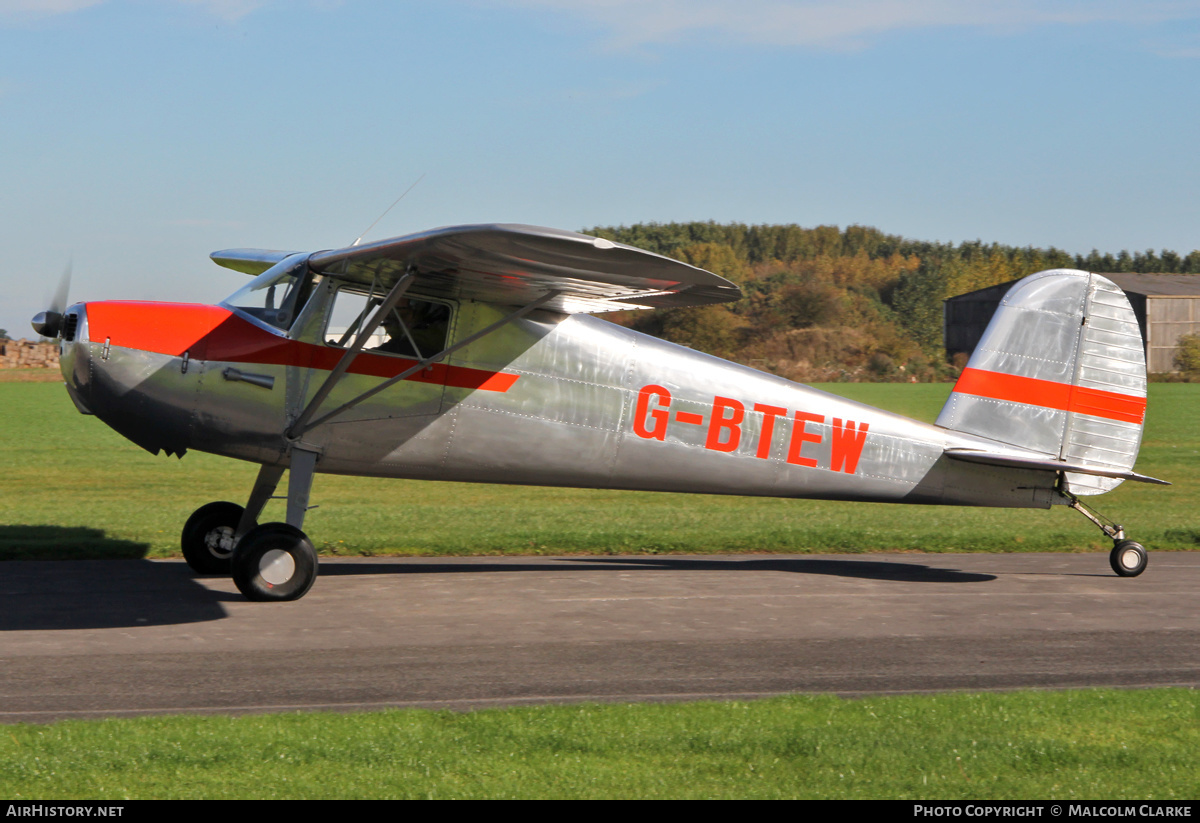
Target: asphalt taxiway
(131, 637)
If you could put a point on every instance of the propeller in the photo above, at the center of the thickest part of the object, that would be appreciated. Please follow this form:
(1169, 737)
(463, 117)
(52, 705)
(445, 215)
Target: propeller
(48, 323)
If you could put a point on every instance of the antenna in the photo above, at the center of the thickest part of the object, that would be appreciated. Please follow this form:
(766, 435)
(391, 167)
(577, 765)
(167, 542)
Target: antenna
(389, 208)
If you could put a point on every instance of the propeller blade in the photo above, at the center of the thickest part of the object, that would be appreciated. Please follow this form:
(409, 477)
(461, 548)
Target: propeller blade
(49, 323)
(59, 302)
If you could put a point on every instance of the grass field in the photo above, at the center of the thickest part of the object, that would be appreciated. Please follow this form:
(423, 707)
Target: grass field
(74, 488)
(1098, 744)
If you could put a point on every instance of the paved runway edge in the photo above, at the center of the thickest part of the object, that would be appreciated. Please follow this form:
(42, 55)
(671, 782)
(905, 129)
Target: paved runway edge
(481, 632)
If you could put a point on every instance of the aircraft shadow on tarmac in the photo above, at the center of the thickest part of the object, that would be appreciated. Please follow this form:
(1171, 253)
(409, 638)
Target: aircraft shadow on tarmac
(42, 542)
(51, 595)
(863, 569)
(48, 595)
(90, 591)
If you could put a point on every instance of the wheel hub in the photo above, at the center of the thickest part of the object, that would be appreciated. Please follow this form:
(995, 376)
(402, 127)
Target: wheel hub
(220, 542)
(276, 567)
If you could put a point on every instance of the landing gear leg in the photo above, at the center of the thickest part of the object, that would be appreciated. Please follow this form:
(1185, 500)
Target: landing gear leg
(1127, 558)
(276, 561)
(213, 530)
(264, 488)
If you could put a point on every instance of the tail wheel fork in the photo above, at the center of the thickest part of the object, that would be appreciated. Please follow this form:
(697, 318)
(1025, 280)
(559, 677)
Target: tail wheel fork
(1127, 558)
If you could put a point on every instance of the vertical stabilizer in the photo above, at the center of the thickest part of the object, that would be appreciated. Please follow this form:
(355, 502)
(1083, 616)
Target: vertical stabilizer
(1060, 370)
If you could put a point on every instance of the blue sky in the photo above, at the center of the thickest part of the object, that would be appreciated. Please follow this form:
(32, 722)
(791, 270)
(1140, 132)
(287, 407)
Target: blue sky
(137, 136)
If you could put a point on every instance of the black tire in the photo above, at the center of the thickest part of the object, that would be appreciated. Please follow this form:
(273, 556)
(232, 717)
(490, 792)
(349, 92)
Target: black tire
(274, 561)
(1128, 559)
(207, 538)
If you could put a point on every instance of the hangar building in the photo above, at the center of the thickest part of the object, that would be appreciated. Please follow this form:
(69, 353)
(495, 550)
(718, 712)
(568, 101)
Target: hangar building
(1167, 307)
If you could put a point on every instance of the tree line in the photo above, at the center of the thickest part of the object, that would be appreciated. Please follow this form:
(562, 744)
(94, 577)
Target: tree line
(854, 303)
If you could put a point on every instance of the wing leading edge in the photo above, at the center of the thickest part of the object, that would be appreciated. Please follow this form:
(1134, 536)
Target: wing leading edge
(514, 265)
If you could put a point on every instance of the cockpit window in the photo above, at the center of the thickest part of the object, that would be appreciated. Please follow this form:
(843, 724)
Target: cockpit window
(277, 295)
(414, 328)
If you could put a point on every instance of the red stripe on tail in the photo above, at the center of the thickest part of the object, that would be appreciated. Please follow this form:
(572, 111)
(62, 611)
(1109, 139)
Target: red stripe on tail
(1050, 394)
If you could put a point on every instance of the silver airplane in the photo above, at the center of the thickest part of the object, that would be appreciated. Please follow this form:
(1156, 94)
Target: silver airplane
(470, 353)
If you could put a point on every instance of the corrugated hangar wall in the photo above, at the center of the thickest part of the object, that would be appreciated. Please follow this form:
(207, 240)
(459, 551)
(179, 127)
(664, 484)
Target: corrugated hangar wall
(1167, 307)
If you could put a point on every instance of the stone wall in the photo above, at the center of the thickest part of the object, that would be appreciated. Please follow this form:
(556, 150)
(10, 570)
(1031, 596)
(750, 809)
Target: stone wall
(25, 354)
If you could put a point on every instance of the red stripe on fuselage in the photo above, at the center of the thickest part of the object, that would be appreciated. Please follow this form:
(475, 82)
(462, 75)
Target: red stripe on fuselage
(215, 333)
(1052, 395)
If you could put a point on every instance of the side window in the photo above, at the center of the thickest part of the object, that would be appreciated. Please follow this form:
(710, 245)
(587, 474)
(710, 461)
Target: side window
(414, 328)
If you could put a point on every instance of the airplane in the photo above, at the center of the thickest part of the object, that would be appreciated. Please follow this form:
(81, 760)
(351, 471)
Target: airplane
(473, 353)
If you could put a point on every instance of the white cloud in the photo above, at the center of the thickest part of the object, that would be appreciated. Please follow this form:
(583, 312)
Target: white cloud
(826, 24)
(231, 10)
(226, 9)
(840, 23)
(42, 8)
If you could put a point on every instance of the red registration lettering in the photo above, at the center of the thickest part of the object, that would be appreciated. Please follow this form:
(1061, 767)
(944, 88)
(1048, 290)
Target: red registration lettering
(846, 445)
(652, 423)
(767, 433)
(652, 413)
(719, 423)
(800, 436)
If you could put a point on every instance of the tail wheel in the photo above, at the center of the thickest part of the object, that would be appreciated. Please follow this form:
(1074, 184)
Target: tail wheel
(1128, 559)
(274, 561)
(208, 537)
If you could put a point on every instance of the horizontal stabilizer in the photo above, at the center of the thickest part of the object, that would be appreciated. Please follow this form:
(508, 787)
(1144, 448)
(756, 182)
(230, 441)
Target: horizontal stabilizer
(1017, 462)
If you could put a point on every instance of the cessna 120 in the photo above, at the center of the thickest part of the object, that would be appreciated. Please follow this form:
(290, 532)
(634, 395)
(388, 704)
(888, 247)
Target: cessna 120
(469, 353)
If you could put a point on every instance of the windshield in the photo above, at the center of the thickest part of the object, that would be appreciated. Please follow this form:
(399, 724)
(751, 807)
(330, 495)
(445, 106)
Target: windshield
(277, 295)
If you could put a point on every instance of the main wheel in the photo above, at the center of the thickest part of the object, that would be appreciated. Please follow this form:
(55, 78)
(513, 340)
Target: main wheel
(1128, 559)
(274, 561)
(207, 538)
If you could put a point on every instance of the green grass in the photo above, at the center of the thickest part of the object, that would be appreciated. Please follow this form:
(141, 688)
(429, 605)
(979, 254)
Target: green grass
(1054, 745)
(72, 488)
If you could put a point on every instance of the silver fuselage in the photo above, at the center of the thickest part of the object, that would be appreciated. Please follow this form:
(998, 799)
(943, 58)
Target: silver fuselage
(550, 399)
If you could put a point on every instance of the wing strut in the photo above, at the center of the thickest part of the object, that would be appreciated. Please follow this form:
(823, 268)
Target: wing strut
(302, 425)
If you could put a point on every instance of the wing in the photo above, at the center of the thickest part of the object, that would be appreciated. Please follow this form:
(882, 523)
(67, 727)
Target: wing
(514, 265)
(249, 261)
